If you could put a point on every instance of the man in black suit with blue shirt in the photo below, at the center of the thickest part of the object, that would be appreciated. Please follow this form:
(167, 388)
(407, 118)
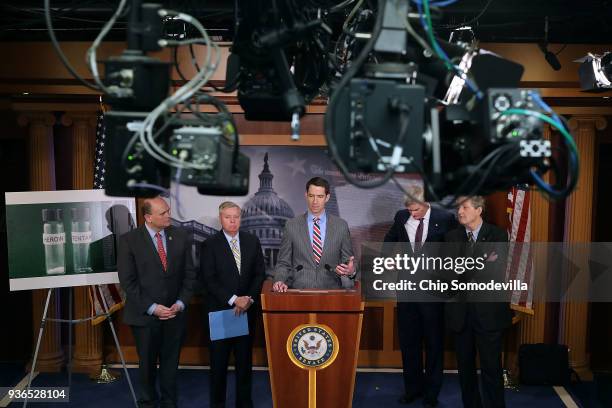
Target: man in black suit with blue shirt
(420, 321)
(232, 271)
(478, 325)
(156, 272)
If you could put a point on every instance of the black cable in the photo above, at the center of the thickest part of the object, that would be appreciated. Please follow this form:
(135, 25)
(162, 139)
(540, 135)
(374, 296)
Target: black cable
(348, 32)
(194, 60)
(475, 172)
(211, 100)
(473, 20)
(492, 158)
(225, 114)
(177, 65)
(562, 191)
(57, 14)
(331, 108)
(390, 170)
(348, 41)
(61, 17)
(315, 61)
(561, 49)
(226, 88)
(487, 173)
(135, 137)
(341, 6)
(419, 171)
(556, 172)
(572, 171)
(58, 49)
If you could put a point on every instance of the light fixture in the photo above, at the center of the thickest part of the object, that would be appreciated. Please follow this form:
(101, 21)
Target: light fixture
(462, 36)
(457, 83)
(596, 72)
(550, 57)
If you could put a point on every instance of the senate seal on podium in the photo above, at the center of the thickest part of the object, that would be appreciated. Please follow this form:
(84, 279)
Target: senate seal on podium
(312, 346)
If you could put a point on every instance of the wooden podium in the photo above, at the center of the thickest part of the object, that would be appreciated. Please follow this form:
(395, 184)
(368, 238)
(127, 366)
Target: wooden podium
(294, 314)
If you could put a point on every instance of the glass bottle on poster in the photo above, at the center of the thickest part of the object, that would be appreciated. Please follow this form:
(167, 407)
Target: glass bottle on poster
(54, 241)
(81, 239)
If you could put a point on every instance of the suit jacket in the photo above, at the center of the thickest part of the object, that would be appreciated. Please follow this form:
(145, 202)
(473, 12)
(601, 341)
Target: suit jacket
(219, 274)
(489, 316)
(296, 253)
(143, 279)
(440, 222)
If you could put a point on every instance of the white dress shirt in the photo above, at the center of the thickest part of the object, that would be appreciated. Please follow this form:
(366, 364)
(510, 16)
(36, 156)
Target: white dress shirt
(412, 224)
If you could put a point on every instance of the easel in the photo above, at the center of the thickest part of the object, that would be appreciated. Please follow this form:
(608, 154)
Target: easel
(72, 321)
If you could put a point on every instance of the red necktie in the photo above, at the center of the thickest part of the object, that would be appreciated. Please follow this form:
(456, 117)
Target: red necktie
(161, 251)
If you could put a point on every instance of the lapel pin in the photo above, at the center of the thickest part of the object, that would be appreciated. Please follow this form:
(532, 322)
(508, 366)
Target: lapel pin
(170, 238)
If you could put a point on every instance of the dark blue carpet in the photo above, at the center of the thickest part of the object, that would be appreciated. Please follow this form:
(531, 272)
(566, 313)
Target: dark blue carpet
(588, 396)
(10, 374)
(372, 389)
(382, 389)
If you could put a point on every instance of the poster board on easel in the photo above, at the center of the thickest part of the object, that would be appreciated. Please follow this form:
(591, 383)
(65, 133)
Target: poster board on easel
(66, 239)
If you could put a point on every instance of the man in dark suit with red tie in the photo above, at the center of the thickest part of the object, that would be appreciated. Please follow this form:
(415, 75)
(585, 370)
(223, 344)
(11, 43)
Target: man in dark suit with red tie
(232, 271)
(156, 272)
(420, 321)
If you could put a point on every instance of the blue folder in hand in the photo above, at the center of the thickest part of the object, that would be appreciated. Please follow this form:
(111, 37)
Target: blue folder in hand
(225, 324)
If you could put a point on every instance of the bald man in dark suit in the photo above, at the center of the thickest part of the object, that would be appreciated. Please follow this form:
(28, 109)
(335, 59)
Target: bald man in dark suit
(156, 272)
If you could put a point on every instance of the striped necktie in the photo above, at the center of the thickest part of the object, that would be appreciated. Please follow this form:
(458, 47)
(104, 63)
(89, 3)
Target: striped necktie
(236, 252)
(471, 239)
(470, 245)
(317, 242)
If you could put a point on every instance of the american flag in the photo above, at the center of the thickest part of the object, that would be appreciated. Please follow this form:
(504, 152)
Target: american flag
(520, 262)
(99, 161)
(112, 293)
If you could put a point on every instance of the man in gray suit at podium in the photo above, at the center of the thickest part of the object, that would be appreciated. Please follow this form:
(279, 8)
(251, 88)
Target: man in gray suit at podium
(316, 250)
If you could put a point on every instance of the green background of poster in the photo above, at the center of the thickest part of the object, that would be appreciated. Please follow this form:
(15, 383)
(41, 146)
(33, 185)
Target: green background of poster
(26, 252)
